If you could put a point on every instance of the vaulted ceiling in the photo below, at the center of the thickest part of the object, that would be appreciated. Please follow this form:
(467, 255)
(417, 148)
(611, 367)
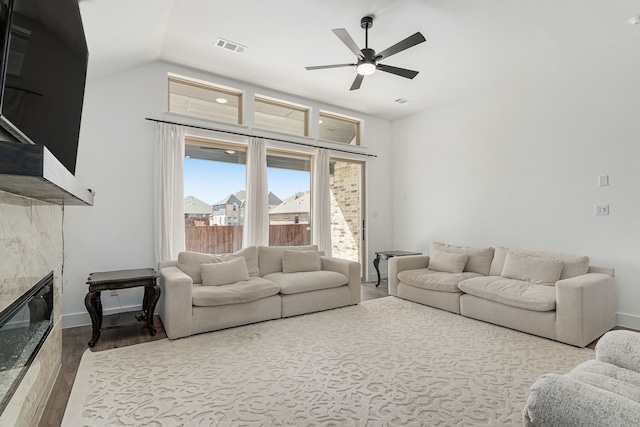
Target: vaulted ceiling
(471, 45)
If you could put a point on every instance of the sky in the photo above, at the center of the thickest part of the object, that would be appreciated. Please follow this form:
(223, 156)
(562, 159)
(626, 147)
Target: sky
(213, 181)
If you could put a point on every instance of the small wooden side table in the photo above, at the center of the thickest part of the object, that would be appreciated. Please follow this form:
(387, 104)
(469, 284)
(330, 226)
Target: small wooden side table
(122, 279)
(386, 255)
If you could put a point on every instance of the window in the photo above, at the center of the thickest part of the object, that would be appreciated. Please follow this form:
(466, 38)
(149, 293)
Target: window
(205, 101)
(339, 129)
(215, 189)
(281, 117)
(289, 177)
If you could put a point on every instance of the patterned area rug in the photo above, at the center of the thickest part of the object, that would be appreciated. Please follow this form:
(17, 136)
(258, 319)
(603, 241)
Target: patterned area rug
(385, 362)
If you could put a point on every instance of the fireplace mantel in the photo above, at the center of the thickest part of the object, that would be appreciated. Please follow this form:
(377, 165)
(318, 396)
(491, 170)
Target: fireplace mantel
(32, 171)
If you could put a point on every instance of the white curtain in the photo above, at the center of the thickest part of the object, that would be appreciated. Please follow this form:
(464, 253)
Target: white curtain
(321, 215)
(169, 192)
(256, 217)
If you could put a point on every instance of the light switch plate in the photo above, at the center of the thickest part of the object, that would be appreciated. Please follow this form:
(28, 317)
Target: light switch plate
(603, 180)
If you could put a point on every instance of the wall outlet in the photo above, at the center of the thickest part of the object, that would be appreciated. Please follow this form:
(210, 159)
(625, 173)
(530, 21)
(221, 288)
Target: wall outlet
(603, 180)
(601, 209)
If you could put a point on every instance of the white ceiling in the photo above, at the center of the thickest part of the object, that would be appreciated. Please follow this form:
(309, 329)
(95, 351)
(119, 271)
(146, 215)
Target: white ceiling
(471, 44)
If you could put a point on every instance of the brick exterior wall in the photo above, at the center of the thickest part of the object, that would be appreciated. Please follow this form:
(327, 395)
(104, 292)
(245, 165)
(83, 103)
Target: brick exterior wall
(279, 219)
(346, 230)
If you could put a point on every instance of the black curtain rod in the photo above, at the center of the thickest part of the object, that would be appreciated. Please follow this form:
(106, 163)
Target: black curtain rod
(258, 136)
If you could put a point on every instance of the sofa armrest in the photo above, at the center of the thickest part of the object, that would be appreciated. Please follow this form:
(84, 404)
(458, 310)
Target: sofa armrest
(401, 263)
(164, 264)
(559, 400)
(585, 308)
(620, 348)
(176, 304)
(351, 269)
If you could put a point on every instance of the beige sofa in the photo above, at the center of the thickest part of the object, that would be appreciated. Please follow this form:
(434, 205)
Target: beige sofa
(556, 296)
(203, 292)
(600, 392)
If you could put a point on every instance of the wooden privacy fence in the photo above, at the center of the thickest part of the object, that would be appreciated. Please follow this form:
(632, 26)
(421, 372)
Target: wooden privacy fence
(219, 239)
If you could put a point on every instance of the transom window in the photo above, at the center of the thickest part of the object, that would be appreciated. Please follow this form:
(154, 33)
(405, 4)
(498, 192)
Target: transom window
(280, 116)
(205, 101)
(339, 129)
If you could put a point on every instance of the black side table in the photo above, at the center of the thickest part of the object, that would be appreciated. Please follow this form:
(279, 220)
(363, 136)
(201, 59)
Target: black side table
(386, 255)
(121, 279)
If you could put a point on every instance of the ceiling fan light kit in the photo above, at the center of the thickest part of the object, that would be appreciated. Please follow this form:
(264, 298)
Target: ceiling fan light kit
(366, 68)
(368, 61)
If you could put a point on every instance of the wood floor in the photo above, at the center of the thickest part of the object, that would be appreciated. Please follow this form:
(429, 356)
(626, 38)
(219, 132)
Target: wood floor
(74, 344)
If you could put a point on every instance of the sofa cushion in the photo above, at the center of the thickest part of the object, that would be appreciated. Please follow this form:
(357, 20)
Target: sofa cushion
(447, 262)
(425, 278)
(479, 258)
(300, 261)
(574, 265)
(270, 257)
(224, 273)
(246, 291)
(189, 262)
(533, 269)
(516, 293)
(607, 376)
(295, 283)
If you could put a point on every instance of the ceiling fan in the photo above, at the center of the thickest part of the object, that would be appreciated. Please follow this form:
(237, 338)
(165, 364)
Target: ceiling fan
(368, 60)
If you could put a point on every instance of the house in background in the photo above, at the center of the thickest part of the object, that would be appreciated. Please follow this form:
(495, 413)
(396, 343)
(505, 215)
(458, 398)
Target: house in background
(293, 210)
(230, 210)
(196, 212)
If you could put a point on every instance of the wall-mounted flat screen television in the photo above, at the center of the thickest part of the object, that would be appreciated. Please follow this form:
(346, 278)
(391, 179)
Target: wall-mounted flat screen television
(42, 77)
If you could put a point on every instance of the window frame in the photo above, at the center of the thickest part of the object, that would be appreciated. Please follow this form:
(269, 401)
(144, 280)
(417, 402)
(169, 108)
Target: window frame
(206, 86)
(334, 116)
(283, 104)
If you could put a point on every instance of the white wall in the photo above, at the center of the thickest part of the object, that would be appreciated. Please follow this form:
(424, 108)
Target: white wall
(115, 159)
(518, 166)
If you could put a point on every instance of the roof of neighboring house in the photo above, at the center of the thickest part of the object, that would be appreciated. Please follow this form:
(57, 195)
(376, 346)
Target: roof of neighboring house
(229, 200)
(240, 198)
(193, 205)
(298, 203)
(274, 200)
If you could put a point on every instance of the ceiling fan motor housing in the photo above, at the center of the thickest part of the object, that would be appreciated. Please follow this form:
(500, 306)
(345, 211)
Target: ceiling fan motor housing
(369, 55)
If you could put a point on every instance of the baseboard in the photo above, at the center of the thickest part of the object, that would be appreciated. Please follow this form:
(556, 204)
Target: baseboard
(628, 321)
(82, 319)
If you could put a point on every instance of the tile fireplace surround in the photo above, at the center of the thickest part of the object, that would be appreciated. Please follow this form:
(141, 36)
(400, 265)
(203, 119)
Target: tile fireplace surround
(30, 248)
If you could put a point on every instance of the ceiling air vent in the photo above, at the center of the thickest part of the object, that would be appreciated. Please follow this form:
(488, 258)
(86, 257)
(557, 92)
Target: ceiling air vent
(402, 101)
(234, 47)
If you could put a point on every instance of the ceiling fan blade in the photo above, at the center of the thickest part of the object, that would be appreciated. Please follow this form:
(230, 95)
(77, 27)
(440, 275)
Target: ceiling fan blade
(348, 41)
(357, 82)
(321, 67)
(402, 72)
(410, 41)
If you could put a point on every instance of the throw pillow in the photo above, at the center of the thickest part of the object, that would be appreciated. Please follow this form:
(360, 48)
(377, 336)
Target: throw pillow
(270, 257)
(298, 261)
(532, 269)
(249, 254)
(479, 258)
(224, 273)
(447, 262)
